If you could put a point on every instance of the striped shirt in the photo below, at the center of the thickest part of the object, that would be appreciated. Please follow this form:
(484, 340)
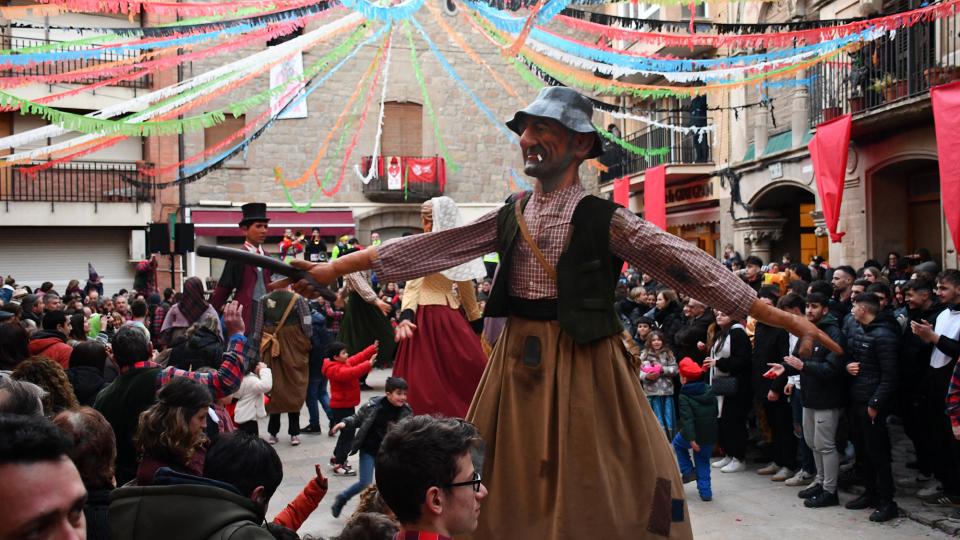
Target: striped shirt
(671, 260)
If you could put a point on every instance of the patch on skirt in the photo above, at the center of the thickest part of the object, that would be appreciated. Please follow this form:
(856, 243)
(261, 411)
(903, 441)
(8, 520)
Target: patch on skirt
(661, 509)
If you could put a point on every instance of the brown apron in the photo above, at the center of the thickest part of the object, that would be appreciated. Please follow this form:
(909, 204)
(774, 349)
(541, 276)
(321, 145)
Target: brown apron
(286, 351)
(573, 449)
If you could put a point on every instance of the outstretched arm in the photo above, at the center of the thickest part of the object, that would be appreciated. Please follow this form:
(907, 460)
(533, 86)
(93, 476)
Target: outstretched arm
(690, 270)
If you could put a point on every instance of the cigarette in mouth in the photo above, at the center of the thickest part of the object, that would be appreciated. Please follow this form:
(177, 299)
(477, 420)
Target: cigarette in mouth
(539, 157)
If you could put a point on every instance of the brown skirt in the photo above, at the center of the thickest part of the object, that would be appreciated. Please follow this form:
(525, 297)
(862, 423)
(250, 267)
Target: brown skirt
(291, 370)
(573, 449)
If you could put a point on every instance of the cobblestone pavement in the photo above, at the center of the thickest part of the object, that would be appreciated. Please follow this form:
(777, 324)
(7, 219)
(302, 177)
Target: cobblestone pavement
(746, 506)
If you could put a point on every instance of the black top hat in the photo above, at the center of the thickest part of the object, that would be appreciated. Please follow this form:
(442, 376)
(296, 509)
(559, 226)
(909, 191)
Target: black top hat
(253, 212)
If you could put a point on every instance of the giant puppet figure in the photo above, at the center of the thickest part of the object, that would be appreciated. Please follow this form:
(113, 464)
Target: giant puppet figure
(573, 449)
(248, 283)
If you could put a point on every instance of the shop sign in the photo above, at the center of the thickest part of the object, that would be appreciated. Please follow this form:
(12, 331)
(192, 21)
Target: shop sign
(706, 190)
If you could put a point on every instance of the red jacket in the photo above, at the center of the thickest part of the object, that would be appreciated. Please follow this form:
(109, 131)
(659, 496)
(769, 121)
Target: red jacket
(51, 344)
(299, 509)
(345, 378)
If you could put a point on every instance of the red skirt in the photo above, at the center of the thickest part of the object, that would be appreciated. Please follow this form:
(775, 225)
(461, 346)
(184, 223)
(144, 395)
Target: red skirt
(442, 362)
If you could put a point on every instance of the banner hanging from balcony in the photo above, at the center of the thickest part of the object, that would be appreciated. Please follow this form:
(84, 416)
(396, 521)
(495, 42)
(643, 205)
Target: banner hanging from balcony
(946, 120)
(655, 196)
(829, 149)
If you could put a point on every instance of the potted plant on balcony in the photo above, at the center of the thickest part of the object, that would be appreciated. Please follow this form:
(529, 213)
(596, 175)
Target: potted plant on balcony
(941, 74)
(892, 89)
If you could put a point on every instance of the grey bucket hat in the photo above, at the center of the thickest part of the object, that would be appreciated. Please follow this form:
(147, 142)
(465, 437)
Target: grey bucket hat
(566, 106)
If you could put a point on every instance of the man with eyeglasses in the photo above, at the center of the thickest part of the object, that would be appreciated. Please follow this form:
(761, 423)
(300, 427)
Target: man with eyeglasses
(426, 474)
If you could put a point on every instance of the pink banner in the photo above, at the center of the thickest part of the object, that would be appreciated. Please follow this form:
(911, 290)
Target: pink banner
(828, 151)
(946, 122)
(654, 196)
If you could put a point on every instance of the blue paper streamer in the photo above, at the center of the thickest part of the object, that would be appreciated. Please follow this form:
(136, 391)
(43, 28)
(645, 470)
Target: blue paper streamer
(187, 171)
(398, 12)
(511, 24)
(786, 83)
(453, 75)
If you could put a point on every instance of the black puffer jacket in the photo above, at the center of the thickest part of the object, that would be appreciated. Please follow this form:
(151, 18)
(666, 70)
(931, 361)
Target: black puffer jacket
(875, 347)
(202, 349)
(692, 332)
(823, 384)
(914, 352)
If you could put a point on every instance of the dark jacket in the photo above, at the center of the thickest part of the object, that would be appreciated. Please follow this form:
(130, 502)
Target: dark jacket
(95, 510)
(669, 320)
(319, 340)
(363, 420)
(186, 508)
(87, 382)
(689, 334)
(914, 352)
(698, 413)
(823, 384)
(770, 345)
(875, 347)
(121, 403)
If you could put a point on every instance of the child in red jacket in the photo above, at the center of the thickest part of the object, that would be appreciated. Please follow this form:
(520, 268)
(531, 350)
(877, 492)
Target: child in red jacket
(344, 373)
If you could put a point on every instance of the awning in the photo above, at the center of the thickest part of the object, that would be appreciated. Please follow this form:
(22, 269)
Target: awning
(211, 222)
(694, 217)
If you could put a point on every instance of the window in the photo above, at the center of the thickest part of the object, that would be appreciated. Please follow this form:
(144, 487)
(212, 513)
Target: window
(700, 11)
(402, 129)
(214, 135)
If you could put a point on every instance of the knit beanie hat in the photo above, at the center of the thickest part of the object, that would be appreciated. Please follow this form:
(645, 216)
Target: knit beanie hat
(690, 370)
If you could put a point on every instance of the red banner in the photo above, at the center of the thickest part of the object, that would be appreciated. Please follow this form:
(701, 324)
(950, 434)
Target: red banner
(828, 151)
(946, 122)
(621, 191)
(654, 196)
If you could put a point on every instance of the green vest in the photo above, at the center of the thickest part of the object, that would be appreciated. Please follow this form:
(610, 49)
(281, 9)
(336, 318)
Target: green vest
(587, 271)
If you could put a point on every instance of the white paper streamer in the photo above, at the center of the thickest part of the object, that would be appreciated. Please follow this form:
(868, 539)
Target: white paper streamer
(698, 130)
(383, 103)
(241, 68)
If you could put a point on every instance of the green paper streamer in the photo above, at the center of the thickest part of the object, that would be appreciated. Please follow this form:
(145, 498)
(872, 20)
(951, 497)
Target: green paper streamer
(426, 101)
(88, 125)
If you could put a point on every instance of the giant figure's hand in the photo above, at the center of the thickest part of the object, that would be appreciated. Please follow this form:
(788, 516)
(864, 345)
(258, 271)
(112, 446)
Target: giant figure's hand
(324, 273)
(794, 324)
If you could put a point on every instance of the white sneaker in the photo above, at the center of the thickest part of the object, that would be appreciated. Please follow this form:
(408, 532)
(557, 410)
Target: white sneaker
(800, 479)
(931, 489)
(781, 475)
(722, 463)
(920, 480)
(735, 465)
(771, 468)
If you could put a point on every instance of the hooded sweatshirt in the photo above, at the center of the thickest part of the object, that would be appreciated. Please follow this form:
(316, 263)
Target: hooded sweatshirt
(53, 345)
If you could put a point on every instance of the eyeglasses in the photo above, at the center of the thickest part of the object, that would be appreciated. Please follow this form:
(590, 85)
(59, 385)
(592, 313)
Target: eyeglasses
(475, 482)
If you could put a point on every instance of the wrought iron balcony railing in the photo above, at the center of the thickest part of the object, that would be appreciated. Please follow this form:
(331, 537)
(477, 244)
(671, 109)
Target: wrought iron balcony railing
(78, 181)
(669, 147)
(405, 179)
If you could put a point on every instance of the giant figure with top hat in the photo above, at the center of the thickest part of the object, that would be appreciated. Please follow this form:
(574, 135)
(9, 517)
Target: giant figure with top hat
(247, 283)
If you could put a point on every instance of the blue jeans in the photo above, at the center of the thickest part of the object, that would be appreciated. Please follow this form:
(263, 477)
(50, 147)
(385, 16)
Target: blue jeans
(317, 392)
(702, 458)
(663, 409)
(364, 480)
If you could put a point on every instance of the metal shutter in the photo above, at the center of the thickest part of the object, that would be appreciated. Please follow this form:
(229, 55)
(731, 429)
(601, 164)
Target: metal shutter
(59, 254)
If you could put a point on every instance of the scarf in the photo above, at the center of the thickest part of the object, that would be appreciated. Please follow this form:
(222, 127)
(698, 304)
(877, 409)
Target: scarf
(192, 305)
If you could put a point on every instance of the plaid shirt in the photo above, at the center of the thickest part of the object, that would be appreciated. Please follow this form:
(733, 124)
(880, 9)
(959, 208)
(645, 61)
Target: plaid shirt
(953, 399)
(225, 381)
(419, 535)
(671, 260)
(359, 283)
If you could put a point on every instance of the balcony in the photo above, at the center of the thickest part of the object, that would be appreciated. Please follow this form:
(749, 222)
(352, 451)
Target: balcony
(77, 182)
(887, 74)
(8, 41)
(681, 149)
(405, 179)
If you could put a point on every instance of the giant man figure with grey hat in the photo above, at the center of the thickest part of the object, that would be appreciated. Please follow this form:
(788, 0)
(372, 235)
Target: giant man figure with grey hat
(247, 283)
(573, 449)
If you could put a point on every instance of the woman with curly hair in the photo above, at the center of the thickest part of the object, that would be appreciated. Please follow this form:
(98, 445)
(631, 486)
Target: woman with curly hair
(48, 375)
(171, 432)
